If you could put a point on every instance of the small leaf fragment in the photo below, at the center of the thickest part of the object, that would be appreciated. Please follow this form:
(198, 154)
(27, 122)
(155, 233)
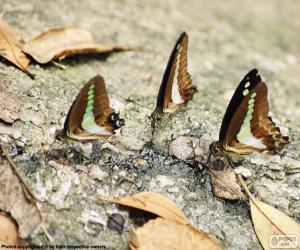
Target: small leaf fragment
(63, 42)
(11, 45)
(167, 234)
(223, 180)
(8, 230)
(154, 203)
(15, 197)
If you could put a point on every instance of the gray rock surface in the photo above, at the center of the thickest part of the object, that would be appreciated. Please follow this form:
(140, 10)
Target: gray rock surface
(226, 40)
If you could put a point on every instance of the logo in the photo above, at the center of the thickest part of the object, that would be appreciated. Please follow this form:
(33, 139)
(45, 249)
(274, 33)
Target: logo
(280, 241)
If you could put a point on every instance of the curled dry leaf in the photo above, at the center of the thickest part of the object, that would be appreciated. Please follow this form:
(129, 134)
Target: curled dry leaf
(166, 234)
(223, 180)
(11, 45)
(269, 222)
(9, 109)
(63, 42)
(16, 199)
(154, 203)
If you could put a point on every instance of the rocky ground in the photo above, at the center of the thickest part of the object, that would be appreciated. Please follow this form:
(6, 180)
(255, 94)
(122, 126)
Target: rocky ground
(226, 40)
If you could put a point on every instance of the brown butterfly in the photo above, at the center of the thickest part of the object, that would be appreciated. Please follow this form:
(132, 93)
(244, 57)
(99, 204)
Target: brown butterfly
(246, 126)
(90, 116)
(176, 88)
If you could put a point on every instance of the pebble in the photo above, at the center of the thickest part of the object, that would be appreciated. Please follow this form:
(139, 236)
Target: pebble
(164, 181)
(131, 143)
(139, 162)
(245, 172)
(97, 173)
(92, 216)
(87, 148)
(182, 148)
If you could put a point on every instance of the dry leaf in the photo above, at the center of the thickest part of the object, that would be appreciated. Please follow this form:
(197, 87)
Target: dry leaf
(270, 224)
(11, 45)
(154, 203)
(8, 230)
(9, 109)
(166, 234)
(9, 235)
(63, 42)
(223, 180)
(16, 199)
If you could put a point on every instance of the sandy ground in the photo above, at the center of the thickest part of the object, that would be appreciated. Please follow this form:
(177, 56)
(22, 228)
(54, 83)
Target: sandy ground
(226, 40)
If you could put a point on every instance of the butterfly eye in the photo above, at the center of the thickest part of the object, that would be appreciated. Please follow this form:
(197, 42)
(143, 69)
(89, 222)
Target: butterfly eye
(114, 117)
(118, 123)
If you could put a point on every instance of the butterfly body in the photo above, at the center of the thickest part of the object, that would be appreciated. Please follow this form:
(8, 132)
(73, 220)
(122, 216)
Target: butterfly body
(90, 116)
(246, 126)
(176, 88)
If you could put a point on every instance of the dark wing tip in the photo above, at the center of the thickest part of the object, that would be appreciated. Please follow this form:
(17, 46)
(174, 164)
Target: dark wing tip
(181, 37)
(253, 76)
(97, 78)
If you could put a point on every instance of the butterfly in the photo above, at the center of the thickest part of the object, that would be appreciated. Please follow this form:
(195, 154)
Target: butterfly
(246, 126)
(90, 116)
(176, 88)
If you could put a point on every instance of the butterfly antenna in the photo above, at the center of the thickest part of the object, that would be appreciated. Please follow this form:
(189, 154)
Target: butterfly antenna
(51, 147)
(135, 102)
(58, 136)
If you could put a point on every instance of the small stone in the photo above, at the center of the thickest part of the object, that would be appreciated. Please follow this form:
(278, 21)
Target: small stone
(182, 148)
(258, 161)
(97, 173)
(204, 143)
(243, 172)
(164, 181)
(131, 143)
(139, 162)
(87, 149)
(92, 216)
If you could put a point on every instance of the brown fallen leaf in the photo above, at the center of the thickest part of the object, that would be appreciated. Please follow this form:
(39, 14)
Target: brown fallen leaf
(16, 199)
(9, 109)
(9, 236)
(154, 203)
(166, 234)
(273, 227)
(8, 230)
(223, 180)
(63, 42)
(11, 45)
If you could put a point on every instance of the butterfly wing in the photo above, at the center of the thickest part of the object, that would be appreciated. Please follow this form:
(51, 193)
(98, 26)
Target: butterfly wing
(176, 88)
(88, 117)
(246, 126)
